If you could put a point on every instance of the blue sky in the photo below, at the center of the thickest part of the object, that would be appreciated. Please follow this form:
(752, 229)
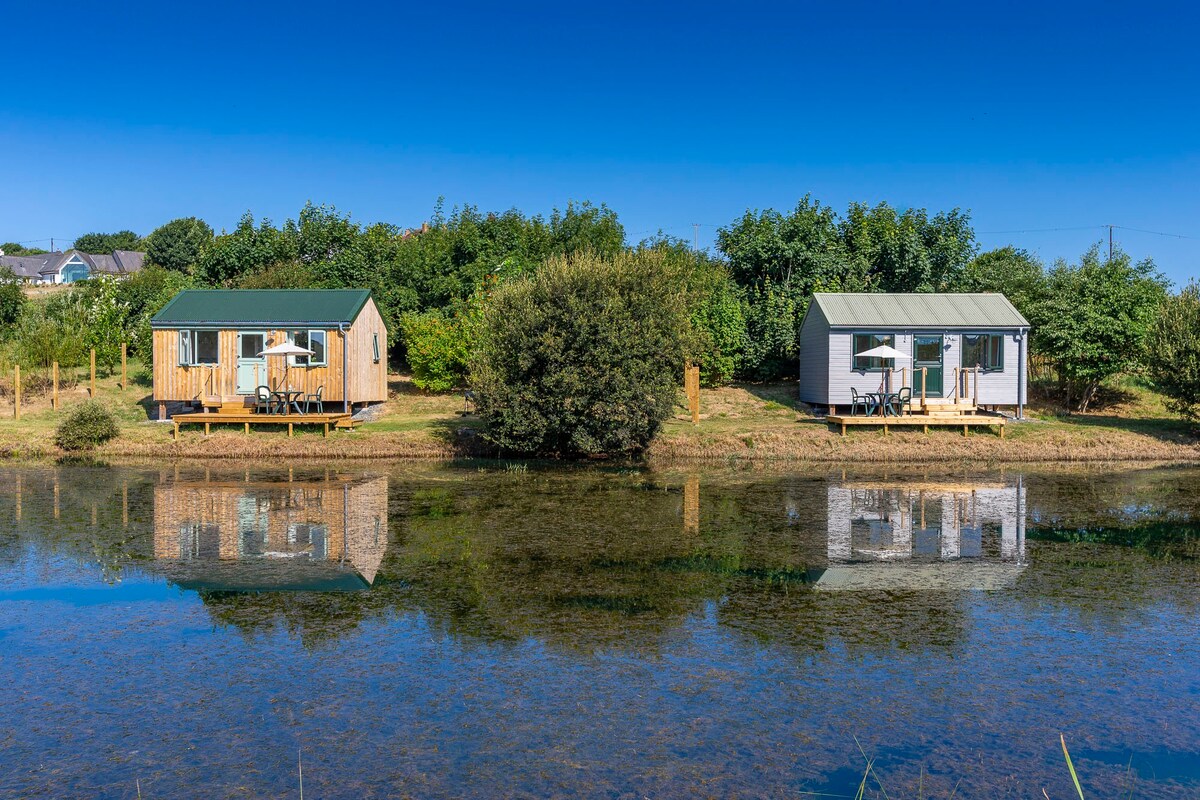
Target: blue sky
(1033, 117)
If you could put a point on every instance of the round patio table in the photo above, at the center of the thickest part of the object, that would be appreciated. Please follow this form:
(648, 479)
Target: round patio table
(288, 398)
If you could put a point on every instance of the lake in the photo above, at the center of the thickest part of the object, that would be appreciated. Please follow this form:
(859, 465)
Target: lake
(482, 630)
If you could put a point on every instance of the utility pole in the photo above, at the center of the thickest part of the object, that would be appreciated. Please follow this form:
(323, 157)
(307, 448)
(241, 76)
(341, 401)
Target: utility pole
(1110, 229)
(696, 236)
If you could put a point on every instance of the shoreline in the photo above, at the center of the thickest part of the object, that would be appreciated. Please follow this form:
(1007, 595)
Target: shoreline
(740, 424)
(699, 446)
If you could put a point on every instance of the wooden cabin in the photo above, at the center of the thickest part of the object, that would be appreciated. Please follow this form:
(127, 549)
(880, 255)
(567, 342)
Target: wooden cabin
(243, 535)
(964, 350)
(208, 346)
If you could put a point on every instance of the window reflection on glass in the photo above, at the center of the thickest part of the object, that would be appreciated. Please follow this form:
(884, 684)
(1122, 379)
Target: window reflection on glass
(869, 341)
(984, 350)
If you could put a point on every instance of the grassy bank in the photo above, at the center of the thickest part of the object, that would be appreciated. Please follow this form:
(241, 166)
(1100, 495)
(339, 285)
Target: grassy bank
(738, 423)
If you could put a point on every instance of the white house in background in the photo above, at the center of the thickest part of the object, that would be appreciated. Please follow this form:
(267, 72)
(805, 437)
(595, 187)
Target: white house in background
(72, 265)
(942, 334)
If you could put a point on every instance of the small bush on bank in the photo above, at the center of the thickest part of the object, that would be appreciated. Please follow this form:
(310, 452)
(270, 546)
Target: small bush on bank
(437, 345)
(582, 358)
(88, 425)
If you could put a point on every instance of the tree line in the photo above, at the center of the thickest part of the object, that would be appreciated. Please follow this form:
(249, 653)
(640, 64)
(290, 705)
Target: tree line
(735, 310)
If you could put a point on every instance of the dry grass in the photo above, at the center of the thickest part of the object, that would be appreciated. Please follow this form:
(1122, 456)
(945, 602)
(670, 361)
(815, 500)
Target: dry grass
(752, 422)
(741, 423)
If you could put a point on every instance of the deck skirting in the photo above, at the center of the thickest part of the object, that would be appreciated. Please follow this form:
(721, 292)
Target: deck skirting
(248, 419)
(939, 420)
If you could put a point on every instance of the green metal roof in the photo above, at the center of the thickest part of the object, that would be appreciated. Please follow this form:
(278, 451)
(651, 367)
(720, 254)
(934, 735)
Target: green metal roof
(866, 310)
(242, 308)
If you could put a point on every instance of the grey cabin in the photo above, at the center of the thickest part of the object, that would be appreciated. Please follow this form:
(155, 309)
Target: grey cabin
(977, 339)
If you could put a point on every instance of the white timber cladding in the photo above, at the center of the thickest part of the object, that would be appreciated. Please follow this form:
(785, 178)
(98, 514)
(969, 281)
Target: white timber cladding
(998, 387)
(814, 357)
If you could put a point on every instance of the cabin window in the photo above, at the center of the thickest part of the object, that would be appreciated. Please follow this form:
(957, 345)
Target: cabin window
(985, 350)
(869, 341)
(198, 347)
(375, 345)
(310, 340)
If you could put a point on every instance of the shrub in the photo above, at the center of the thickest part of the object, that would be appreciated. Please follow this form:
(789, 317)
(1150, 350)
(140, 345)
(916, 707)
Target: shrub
(88, 425)
(438, 347)
(582, 357)
(1173, 354)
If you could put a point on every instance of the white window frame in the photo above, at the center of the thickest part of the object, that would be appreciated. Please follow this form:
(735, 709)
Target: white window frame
(187, 348)
(307, 361)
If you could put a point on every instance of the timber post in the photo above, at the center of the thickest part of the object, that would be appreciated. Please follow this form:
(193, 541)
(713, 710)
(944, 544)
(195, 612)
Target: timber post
(124, 370)
(162, 412)
(691, 385)
(924, 380)
(975, 377)
(16, 391)
(54, 386)
(93, 368)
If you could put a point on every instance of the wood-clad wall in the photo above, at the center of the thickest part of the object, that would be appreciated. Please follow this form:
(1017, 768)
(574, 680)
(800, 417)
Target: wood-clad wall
(367, 379)
(205, 520)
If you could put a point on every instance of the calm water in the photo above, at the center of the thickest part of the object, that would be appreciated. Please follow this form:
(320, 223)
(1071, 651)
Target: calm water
(457, 631)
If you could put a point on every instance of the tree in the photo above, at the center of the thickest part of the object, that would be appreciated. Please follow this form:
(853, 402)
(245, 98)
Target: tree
(1173, 353)
(15, 249)
(1095, 318)
(907, 251)
(12, 299)
(1010, 271)
(107, 242)
(246, 249)
(583, 356)
(178, 244)
(803, 248)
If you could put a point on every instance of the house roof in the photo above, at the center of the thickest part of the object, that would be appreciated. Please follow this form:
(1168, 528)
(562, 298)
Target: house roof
(120, 262)
(864, 310)
(26, 266)
(234, 308)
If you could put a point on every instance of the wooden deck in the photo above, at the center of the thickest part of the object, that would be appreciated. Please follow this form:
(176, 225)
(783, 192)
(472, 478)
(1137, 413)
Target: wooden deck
(942, 418)
(246, 419)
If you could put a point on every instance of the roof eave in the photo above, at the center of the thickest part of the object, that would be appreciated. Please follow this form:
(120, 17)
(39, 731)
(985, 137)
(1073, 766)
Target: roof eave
(251, 325)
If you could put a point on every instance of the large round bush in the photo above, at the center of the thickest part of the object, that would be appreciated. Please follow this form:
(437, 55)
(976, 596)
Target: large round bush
(88, 425)
(583, 357)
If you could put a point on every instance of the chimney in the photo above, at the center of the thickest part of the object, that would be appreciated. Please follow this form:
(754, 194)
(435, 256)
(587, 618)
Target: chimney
(424, 227)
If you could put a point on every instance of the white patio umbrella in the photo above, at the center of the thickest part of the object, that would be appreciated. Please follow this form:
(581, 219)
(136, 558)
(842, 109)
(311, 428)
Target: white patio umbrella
(286, 349)
(885, 351)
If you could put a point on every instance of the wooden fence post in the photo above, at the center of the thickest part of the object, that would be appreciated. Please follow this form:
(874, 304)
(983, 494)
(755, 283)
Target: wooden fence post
(124, 373)
(691, 384)
(93, 361)
(17, 391)
(54, 386)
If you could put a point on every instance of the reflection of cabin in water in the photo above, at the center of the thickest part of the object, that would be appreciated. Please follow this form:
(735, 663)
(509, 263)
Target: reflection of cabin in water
(318, 535)
(924, 535)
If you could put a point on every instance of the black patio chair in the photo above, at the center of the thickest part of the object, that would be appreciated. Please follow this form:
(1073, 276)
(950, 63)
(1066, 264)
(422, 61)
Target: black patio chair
(315, 397)
(264, 402)
(864, 400)
(903, 400)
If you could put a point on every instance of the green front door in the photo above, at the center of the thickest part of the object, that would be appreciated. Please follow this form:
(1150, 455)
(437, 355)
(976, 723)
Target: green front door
(927, 355)
(251, 367)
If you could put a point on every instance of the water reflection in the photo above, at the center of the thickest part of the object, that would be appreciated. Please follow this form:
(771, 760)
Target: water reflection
(594, 631)
(924, 535)
(254, 535)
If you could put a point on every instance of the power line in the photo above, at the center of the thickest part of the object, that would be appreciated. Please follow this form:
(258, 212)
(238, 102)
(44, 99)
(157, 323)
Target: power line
(1158, 233)
(1046, 230)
